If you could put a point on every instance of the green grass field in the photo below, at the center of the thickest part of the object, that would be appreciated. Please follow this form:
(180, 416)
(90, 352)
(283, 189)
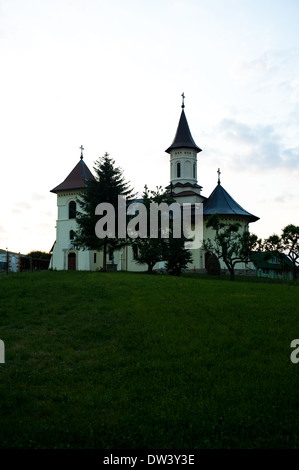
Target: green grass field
(133, 361)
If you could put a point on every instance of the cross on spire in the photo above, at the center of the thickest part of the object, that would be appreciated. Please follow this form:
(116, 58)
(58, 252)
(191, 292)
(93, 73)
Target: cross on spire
(81, 148)
(219, 173)
(183, 97)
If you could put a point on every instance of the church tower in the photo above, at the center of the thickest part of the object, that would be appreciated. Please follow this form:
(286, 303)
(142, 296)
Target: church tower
(183, 163)
(65, 256)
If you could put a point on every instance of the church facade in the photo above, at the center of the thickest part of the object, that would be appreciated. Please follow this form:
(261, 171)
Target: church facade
(183, 188)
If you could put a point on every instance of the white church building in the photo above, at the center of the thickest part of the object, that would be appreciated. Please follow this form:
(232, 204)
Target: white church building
(183, 187)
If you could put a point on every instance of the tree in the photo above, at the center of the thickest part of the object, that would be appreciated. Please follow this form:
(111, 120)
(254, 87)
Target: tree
(39, 254)
(108, 184)
(229, 243)
(176, 255)
(164, 246)
(150, 250)
(287, 243)
(290, 245)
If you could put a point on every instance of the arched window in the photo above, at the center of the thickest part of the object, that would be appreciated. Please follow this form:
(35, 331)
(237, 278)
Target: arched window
(178, 170)
(72, 234)
(194, 171)
(72, 210)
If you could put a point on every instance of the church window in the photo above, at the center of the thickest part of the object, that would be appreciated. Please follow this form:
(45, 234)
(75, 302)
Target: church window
(72, 210)
(110, 254)
(72, 234)
(178, 170)
(94, 257)
(194, 170)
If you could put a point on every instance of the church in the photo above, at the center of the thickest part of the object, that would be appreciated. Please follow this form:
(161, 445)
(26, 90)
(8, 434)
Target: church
(184, 188)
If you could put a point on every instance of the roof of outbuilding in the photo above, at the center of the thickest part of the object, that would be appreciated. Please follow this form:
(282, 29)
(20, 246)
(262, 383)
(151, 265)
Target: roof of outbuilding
(264, 260)
(76, 179)
(183, 137)
(220, 202)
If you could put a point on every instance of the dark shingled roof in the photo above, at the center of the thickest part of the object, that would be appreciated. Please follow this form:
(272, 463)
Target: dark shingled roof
(184, 185)
(76, 179)
(264, 260)
(220, 202)
(184, 193)
(183, 137)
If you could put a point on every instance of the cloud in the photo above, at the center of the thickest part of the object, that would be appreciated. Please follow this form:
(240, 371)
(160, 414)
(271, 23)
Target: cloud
(261, 146)
(285, 198)
(37, 196)
(272, 81)
(23, 206)
(269, 64)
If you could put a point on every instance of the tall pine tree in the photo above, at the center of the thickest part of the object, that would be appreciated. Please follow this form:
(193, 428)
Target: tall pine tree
(109, 183)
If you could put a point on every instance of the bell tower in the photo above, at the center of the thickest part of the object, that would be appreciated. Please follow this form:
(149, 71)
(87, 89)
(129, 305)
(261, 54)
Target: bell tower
(65, 256)
(183, 159)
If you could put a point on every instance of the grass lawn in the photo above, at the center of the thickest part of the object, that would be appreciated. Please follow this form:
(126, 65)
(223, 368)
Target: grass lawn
(133, 361)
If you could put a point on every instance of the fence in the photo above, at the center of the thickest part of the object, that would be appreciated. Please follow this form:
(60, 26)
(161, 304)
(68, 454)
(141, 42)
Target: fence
(15, 262)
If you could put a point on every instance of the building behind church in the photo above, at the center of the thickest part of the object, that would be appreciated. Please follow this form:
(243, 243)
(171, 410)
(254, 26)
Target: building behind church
(183, 187)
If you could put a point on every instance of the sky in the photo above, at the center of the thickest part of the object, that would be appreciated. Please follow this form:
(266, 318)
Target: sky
(109, 74)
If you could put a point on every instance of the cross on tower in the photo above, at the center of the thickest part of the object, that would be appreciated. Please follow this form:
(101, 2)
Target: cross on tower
(219, 173)
(81, 148)
(183, 97)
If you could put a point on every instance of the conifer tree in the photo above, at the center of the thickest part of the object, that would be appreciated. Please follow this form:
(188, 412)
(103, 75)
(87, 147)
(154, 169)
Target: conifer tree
(109, 183)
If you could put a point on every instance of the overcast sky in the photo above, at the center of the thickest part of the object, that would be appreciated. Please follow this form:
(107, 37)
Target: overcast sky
(109, 75)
